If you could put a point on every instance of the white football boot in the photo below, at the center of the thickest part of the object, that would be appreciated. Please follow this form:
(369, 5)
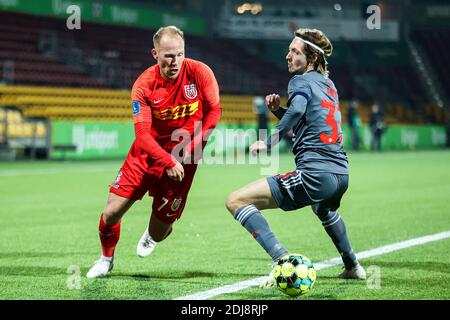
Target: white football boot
(269, 281)
(357, 272)
(101, 268)
(146, 245)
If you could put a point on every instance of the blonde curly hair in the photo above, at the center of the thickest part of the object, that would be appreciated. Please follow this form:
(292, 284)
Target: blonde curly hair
(313, 56)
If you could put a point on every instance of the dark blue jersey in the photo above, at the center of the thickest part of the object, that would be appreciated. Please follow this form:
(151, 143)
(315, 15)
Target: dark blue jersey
(314, 115)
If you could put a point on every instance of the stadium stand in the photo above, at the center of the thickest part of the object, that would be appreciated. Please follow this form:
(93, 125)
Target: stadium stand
(77, 104)
(436, 44)
(31, 63)
(107, 56)
(53, 73)
(99, 104)
(19, 134)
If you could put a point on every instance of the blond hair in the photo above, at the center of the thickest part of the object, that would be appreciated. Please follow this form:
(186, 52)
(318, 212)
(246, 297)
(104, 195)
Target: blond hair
(170, 31)
(313, 56)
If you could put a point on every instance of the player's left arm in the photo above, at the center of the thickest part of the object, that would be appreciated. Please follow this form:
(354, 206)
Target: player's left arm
(211, 100)
(212, 109)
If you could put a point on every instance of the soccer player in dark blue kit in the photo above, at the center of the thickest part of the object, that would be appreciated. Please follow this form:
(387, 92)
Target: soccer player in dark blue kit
(321, 176)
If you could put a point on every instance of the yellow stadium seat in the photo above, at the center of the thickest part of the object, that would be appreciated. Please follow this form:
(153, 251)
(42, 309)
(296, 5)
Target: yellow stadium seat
(27, 129)
(76, 104)
(14, 130)
(41, 129)
(13, 116)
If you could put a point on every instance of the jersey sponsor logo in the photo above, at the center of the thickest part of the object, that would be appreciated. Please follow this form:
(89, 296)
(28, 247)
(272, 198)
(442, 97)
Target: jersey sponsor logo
(177, 112)
(176, 204)
(190, 91)
(136, 107)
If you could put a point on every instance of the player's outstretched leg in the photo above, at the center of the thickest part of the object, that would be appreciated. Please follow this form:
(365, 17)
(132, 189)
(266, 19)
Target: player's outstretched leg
(356, 272)
(147, 243)
(245, 205)
(255, 223)
(335, 227)
(109, 233)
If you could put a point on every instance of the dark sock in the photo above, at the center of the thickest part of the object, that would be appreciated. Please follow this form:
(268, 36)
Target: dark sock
(335, 227)
(256, 224)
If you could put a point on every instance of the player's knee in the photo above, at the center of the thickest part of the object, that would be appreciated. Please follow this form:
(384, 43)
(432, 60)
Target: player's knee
(233, 202)
(111, 215)
(320, 211)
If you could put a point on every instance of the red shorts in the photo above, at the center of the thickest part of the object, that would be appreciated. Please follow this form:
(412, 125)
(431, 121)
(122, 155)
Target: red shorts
(169, 196)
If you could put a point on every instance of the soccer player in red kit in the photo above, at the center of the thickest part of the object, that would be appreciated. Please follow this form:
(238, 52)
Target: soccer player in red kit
(175, 103)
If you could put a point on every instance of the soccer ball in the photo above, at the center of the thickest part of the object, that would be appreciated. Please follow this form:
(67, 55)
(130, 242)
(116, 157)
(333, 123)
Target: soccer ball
(294, 274)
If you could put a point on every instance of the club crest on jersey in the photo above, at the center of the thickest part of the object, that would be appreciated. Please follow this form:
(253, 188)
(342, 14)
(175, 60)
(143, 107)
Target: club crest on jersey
(115, 184)
(190, 91)
(176, 204)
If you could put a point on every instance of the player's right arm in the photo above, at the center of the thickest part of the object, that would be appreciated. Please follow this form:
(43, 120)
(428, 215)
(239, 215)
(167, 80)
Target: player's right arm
(273, 104)
(289, 120)
(142, 115)
(299, 93)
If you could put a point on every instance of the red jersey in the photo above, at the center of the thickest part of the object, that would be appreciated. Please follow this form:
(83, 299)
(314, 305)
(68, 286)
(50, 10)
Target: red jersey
(160, 107)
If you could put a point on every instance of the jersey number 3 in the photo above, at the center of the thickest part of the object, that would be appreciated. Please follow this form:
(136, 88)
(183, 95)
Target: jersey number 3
(330, 121)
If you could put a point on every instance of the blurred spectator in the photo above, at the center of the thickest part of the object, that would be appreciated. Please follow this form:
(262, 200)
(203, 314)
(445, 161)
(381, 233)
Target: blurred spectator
(377, 126)
(354, 123)
(259, 107)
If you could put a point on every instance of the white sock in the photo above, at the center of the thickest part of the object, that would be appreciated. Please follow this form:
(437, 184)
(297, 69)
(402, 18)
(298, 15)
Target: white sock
(107, 258)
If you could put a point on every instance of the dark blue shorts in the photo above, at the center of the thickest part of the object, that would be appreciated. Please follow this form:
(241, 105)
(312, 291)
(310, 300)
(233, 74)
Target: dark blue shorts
(297, 189)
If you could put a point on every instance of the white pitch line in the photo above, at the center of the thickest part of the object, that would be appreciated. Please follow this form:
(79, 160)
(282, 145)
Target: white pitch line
(321, 265)
(26, 172)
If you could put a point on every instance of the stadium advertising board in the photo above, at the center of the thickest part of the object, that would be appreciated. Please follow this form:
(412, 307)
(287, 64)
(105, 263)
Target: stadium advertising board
(108, 13)
(278, 28)
(92, 140)
(96, 140)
